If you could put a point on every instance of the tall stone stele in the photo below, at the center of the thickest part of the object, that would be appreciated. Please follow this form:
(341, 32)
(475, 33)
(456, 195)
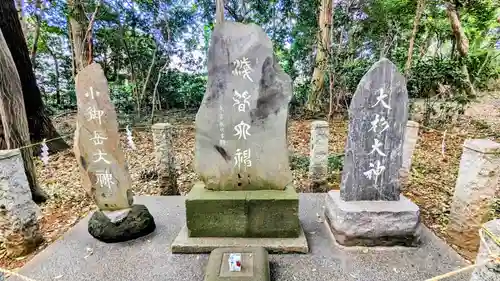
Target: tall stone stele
(102, 163)
(369, 209)
(241, 150)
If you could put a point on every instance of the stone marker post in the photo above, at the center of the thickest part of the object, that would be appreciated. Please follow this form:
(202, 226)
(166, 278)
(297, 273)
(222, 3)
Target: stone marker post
(487, 248)
(165, 158)
(410, 142)
(318, 157)
(478, 179)
(369, 210)
(241, 150)
(102, 163)
(19, 227)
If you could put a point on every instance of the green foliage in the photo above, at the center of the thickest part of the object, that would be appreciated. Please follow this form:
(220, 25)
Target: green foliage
(335, 162)
(121, 96)
(299, 162)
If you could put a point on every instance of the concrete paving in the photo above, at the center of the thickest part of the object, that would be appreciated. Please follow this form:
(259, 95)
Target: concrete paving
(150, 259)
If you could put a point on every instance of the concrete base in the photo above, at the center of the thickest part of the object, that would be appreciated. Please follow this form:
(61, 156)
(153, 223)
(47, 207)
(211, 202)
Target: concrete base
(373, 223)
(254, 265)
(190, 245)
(242, 213)
(149, 258)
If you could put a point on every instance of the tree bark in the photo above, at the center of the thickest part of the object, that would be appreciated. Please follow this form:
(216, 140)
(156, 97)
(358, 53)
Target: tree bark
(40, 126)
(461, 43)
(56, 65)
(20, 13)
(416, 21)
(78, 23)
(38, 15)
(146, 82)
(318, 77)
(14, 120)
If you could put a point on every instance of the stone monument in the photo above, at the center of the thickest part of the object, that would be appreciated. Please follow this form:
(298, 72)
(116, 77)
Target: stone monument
(102, 163)
(369, 209)
(241, 150)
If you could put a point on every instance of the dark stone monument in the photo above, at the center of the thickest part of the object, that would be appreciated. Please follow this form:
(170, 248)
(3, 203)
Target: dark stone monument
(369, 209)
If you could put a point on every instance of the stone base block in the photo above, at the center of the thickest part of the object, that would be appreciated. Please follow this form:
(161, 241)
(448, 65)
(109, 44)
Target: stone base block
(254, 265)
(201, 245)
(138, 222)
(373, 223)
(251, 213)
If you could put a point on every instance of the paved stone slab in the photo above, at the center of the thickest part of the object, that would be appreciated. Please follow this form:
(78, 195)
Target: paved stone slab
(185, 244)
(254, 265)
(373, 223)
(149, 258)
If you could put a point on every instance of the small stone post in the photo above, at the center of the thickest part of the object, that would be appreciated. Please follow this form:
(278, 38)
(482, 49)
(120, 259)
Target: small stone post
(164, 156)
(490, 271)
(318, 157)
(410, 141)
(19, 228)
(478, 178)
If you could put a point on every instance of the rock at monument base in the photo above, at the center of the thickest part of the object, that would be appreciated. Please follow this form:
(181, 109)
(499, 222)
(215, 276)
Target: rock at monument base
(139, 222)
(251, 213)
(254, 265)
(373, 223)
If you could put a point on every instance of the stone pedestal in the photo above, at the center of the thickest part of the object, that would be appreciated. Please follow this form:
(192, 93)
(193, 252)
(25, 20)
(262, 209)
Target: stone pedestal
(373, 223)
(164, 158)
(318, 157)
(254, 265)
(410, 142)
(19, 228)
(490, 271)
(251, 213)
(478, 179)
(262, 218)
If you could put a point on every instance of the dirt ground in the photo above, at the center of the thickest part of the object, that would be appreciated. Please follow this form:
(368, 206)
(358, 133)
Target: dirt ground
(431, 184)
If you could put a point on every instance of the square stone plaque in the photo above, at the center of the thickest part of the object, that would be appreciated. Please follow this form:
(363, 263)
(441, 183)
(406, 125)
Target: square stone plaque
(254, 265)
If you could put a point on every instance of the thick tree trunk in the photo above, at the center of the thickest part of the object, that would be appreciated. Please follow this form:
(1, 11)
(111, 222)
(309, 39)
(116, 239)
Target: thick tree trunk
(39, 124)
(416, 21)
(14, 121)
(38, 14)
(318, 78)
(79, 23)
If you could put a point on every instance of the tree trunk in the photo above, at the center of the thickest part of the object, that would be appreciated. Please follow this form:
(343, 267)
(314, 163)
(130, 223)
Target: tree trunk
(14, 121)
(158, 78)
(318, 78)
(416, 21)
(461, 44)
(56, 65)
(72, 49)
(146, 82)
(78, 23)
(20, 13)
(40, 126)
(38, 15)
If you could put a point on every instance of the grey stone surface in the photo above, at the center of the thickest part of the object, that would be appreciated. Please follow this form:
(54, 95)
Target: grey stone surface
(19, 228)
(254, 265)
(318, 156)
(373, 223)
(410, 142)
(241, 123)
(490, 271)
(97, 148)
(137, 223)
(377, 121)
(477, 182)
(149, 258)
(165, 158)
(185, 244)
